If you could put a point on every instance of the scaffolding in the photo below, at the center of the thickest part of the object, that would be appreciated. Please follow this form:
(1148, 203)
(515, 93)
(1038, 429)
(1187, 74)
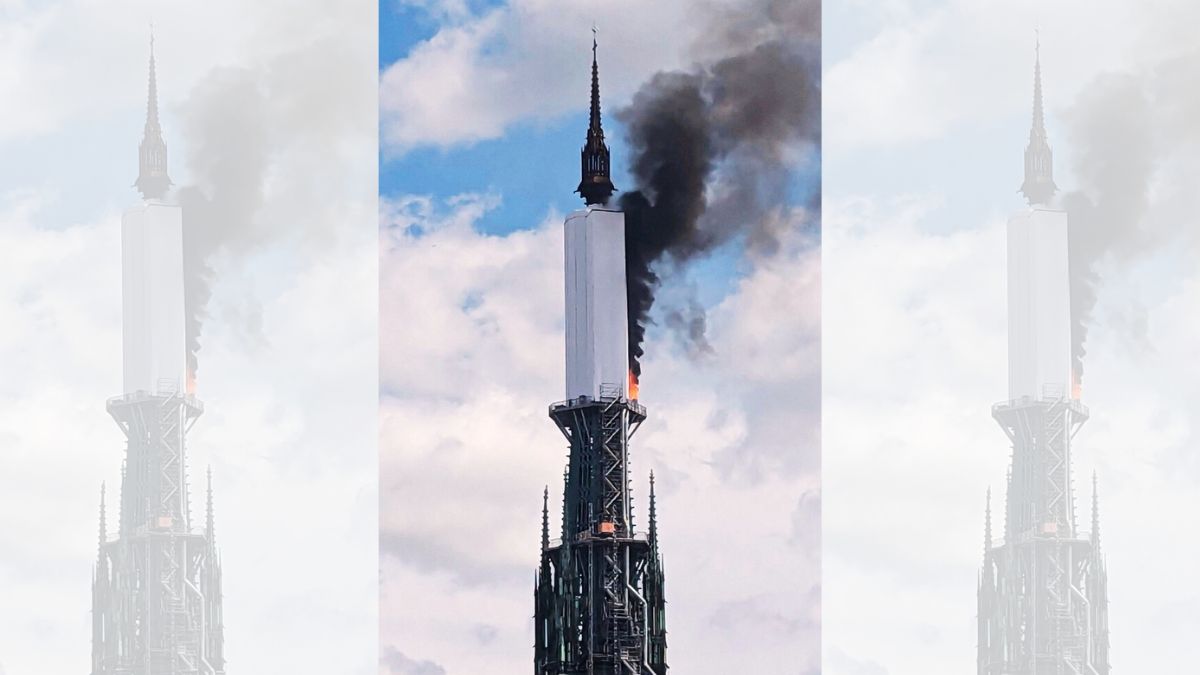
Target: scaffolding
(157, 588)
(598, 594)
(1043, 602)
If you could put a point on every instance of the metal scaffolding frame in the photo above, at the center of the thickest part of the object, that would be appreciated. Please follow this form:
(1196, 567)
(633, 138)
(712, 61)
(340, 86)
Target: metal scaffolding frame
(1043, 601)
(598, 596)
(157, 587)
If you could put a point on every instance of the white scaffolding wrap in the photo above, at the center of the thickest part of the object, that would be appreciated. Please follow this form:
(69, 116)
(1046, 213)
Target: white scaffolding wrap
(596, 318)
(152, 292)
(1039, 306)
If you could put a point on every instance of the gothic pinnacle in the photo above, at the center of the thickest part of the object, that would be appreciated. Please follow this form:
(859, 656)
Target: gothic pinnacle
(103, 518)
(987, 524)
(546, 518)
(209, 521)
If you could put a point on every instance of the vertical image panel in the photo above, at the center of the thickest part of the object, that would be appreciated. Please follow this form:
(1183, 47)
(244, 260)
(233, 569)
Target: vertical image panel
(1009, 399)
(188, 218)
(600, 337)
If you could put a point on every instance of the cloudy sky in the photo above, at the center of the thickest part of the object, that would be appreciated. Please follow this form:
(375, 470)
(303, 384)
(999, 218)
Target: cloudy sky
(285, 92)
(927, 108)
(483, 109)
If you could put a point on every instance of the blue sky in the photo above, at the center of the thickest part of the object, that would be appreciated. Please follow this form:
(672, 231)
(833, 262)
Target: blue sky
(533, 168)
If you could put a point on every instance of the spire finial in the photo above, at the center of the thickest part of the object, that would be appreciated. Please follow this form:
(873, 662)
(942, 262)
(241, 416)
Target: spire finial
(152, 180)
(595, 184)
(1038, 186)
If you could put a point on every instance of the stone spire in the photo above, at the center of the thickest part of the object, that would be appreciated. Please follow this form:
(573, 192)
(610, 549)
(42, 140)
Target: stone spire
(103, 522)
(209, 520)
(987, 525)
(546, 518)
(653, 534)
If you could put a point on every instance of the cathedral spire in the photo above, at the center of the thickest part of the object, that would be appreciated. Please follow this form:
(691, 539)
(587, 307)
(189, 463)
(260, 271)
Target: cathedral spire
(152, 180)
(595, 184)
(1038, 187)
(1095, 513)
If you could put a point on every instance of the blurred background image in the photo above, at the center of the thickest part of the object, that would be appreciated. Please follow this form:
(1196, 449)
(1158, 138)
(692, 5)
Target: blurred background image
(188, 312)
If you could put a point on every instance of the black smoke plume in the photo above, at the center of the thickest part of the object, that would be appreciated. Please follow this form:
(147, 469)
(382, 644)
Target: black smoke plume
(226, 124)
(1114, 162)
(712, 153)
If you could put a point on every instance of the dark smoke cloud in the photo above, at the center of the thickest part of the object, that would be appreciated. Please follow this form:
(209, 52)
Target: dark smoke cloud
(1114, 159)
(711, 151)
(690, 324)
(227, 128)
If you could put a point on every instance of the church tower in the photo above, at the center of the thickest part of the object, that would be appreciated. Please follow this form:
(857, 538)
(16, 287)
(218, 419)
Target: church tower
(599, 605)
(156, 593)
(1043, 599)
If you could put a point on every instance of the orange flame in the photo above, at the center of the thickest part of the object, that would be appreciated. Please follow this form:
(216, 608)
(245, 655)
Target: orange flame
(633, 386)
(1076, 386)
(191, 381)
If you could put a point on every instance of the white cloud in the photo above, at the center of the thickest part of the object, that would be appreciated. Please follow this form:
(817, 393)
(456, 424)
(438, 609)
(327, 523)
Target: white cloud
(915, 345)
(524, 61)
(289, 368)
(922, 72)
(474, 357)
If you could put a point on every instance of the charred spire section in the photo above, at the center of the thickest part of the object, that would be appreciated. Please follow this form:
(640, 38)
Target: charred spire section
(152, 180)
(713, 153)
(1038, 187)
(595, 183)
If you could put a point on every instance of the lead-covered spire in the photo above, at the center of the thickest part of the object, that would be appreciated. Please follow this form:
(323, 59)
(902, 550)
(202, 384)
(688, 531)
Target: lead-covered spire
(152, 180)
(1038, 186)
(595, 184)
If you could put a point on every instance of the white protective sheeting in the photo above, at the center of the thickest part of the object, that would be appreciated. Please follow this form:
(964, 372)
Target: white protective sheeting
(596, 317)
(1039, 306)
(152, 292)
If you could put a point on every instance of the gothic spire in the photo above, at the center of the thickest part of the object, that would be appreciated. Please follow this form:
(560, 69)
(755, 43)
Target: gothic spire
(1038, 187)
(103, 518)
(987, 525)
(209, 521)
(546, 519)
(152, 180)
(653, 535)
(1095, 513)
(595, 184)
(566, 485)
